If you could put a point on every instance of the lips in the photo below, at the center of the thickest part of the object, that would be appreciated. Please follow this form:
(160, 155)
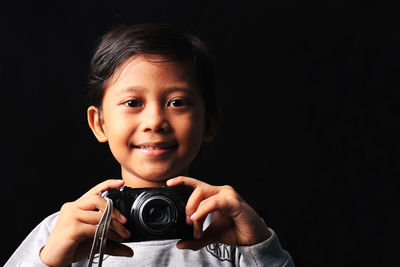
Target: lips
(156, 145)
(151, 147)
(156, 148)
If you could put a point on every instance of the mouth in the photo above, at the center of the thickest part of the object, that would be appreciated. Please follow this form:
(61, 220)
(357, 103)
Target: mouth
(156, 148)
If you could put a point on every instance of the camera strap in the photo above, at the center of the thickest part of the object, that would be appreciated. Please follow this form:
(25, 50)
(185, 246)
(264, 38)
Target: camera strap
(100, 237)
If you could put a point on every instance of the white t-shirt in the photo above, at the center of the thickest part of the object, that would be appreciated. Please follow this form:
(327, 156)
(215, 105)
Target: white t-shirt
(161, 253)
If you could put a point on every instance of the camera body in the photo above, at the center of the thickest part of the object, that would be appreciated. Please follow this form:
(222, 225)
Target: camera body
(153, 213)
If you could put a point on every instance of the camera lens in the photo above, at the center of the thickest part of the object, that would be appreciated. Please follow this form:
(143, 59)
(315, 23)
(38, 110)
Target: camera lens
(157, 214)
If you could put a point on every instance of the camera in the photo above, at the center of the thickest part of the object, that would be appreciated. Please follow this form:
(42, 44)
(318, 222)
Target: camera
(153, 213)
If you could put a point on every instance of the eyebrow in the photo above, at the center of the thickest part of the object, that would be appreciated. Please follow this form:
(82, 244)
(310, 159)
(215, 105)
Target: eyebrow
(169, 90)
(132, 89)
(173, 89)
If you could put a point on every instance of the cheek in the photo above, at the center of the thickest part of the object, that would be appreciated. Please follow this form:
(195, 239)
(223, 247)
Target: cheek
(191, 130)
(118, 133)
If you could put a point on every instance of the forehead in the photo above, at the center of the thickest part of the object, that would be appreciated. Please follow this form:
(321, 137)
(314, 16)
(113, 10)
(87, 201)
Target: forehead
(151, 70)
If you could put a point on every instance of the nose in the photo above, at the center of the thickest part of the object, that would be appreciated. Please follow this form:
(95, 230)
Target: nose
(155, 120)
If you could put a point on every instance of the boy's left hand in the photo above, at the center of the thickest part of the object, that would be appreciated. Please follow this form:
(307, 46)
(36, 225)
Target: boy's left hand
(234, 221)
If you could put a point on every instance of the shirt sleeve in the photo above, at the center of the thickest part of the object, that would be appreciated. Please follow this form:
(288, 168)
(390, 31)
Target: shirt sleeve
(267, 253)
(27, 254)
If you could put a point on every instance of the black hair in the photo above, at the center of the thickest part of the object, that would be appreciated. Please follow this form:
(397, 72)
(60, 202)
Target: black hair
(159, 41)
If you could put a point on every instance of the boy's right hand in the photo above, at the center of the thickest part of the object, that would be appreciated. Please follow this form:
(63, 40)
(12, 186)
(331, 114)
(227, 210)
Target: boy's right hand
(72, 237)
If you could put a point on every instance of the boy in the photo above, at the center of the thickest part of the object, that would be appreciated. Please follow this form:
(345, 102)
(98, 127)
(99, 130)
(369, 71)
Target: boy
(152, 96)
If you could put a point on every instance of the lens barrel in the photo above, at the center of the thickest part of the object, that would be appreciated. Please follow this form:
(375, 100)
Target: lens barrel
(157, 214)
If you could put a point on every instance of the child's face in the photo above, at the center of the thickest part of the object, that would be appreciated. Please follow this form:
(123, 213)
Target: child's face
(153, 118)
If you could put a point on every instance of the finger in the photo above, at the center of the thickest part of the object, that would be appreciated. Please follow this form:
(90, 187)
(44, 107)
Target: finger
(201, 193)
(88, 217)
(116, 249)
(89, 222)
(96, 202)
(210, 235)
(83, 231)
(94, 217)
(198, 229)
(96, 190)
(114, 236)
(192, 244)
(184, 180)
(91, 203)
(227, 201)
(120, 229)
(205, 207)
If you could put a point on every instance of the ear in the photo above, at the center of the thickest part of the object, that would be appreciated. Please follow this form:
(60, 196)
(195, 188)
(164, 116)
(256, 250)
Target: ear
(212, 126)
(96, 122)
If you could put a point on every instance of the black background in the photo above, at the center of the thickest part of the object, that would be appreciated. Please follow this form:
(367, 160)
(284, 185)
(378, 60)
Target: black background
(311, 126)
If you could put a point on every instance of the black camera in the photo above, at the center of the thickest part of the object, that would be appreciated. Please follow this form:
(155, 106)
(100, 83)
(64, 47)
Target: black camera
(153, 213)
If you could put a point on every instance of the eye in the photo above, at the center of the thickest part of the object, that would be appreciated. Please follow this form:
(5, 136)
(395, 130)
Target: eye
(134, 103)
(178, 103)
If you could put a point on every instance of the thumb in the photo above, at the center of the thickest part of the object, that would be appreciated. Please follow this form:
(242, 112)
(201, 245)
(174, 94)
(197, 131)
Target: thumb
(117, 249)
(192, 244)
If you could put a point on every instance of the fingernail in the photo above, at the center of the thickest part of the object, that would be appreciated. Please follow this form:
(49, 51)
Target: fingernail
(188, 220)
(193, 217)
(117, 182)
(170, 181)
(122, 219)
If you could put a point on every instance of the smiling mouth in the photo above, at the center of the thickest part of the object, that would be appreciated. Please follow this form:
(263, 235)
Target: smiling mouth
(156, 149)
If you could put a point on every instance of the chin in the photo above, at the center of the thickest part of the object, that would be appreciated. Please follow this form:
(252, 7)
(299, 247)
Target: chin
(158, 177)
(153, 177)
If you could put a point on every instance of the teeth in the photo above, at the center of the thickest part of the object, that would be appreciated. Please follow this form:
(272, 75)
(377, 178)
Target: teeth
(152, 148)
